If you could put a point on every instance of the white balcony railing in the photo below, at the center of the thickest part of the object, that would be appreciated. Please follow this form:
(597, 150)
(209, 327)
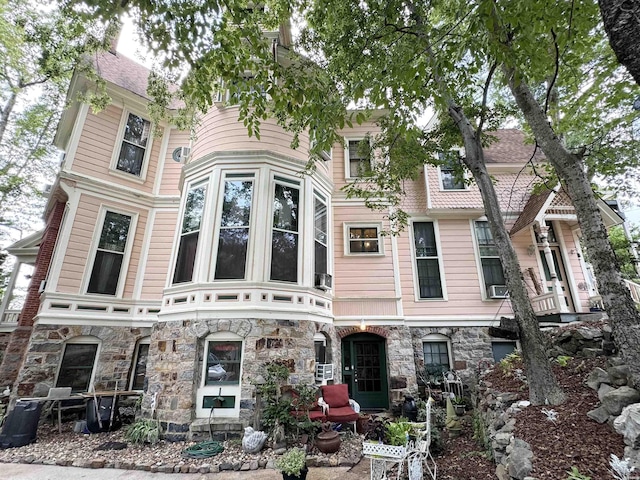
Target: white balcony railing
(547, 303)
(10, 317)
(635, 290)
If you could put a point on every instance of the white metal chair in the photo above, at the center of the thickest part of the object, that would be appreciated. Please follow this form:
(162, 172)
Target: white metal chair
(452, 383)
(420, 462)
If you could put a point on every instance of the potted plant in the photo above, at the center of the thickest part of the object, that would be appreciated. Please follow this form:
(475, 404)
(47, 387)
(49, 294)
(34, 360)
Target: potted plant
(293, 464)
(459, 405)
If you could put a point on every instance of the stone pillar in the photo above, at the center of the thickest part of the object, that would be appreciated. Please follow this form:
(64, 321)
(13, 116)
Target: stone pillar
(14, 355)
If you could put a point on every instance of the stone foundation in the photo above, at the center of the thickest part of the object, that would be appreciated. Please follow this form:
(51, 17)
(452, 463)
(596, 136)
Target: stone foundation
(46, 346)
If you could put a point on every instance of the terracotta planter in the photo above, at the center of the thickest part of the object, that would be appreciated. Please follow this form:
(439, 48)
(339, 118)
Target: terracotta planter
(328, 442)
(362, 424)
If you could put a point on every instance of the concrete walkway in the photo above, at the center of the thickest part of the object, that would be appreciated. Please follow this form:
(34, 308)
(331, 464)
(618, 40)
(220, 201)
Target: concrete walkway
(21, 471)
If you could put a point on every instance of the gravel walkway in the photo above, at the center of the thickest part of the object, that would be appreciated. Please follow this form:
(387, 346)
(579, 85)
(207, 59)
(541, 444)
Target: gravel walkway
(81, 450)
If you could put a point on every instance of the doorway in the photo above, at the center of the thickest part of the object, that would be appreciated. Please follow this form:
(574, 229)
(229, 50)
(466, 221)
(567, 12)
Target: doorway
(560, 272)
(364, 370)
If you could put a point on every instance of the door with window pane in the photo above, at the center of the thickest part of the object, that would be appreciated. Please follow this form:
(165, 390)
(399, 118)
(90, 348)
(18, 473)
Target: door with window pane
(364, 370)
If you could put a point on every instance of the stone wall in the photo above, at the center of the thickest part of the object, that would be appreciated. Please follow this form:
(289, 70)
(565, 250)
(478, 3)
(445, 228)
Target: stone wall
(46, 346)
(177, 350)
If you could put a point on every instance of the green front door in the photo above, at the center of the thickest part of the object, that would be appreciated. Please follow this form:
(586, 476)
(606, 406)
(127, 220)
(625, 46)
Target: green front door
(364, 369)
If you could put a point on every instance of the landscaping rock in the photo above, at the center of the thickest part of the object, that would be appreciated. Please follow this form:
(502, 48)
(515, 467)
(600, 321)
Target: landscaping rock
(600, 414)
(520, 460)
(617, 399)
(597, 377)
(603, 390)
(628, 425)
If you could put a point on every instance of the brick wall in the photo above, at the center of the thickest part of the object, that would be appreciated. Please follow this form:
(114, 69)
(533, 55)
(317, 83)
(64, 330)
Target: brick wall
(17, 346)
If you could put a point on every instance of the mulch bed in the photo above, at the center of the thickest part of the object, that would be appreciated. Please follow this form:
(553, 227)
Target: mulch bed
(572, 440)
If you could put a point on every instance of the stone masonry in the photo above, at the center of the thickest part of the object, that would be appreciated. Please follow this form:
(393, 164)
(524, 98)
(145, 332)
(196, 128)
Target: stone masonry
(44, 353)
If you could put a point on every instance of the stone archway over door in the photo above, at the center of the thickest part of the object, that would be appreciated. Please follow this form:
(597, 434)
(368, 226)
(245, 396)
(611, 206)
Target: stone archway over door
(364, 369)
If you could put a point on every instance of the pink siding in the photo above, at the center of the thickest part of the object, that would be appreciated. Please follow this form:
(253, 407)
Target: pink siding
(159, 256)
(357, 131)
(220, 131)
(171, 170)
(78, 252)
(415, 199)
(362, 275)
(95, 149)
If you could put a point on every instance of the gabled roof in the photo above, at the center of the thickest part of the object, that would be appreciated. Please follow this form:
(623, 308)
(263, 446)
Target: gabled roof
(122, 71)
(530, 211)
(510, 146)
(26, 249)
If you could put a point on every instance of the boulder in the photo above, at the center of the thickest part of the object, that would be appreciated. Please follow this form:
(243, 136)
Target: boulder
(617, 399)
(596, 377)
(603, 390)
(628, 425)
(520, 460)
(619, 374)
(600, 414)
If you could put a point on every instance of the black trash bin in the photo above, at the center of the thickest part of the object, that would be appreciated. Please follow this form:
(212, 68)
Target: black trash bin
(99, 414)
(21, 426)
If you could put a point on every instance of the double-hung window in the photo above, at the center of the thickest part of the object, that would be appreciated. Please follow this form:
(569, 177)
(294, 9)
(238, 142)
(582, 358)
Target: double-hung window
(358, 158)
(139, 373)
(427, 263)
(451, 171)
(285, 236)
(134, 146)
(363, 239)
(491, 266)
(109, 257)
(189, 234)
(76, 367)
(436, 357)
(320, 233)
(233, 238)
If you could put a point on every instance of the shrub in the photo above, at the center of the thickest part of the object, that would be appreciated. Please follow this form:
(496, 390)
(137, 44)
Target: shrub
(143, 431)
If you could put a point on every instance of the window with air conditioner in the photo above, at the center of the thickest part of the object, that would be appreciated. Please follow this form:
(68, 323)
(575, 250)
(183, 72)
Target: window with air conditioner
(492, 273)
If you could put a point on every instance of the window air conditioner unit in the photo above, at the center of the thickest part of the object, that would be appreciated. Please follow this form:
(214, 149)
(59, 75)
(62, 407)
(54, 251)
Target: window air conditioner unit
(498, 291)
(324, 371)
(323, 281)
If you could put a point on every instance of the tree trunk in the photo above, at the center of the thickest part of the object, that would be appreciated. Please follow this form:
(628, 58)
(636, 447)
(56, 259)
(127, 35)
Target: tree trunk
(622, 22)
(543, 388)
(619, 305)
(6, 112)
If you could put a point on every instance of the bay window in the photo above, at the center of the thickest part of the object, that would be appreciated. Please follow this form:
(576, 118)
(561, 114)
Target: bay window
(285, 236)
(189, 234)
(320, 234)
(233, 237)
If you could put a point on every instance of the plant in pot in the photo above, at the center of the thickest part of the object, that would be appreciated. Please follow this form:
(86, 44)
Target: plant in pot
(293, 464)
(459, 405)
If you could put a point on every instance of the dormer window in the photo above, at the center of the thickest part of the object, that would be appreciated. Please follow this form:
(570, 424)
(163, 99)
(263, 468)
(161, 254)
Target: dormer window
(451, 172)
(357, 158)
(135, 142)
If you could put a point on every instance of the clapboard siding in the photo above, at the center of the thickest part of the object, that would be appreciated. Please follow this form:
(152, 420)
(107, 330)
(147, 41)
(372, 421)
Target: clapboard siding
(159, 256)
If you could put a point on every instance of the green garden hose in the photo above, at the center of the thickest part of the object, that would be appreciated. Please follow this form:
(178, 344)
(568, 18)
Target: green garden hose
(203, 450)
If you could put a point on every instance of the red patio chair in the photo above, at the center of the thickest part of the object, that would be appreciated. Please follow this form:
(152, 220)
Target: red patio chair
(338, 407)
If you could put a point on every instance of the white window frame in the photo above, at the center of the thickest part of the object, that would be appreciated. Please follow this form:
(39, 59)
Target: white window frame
(438, 338)
(286, 180)
(82, 340)
(124, 268)
(113, 167)
(347, 164)
(346, 226)
(231, 176)
(183, 207)
(414, 259)
(476, 250)
(215, 390)
(466, 175)
(136, 356)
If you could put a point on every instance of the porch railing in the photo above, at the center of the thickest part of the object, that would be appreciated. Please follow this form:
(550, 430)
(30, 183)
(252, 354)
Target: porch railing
(547, 303)
(10, 317)
(635, 290)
